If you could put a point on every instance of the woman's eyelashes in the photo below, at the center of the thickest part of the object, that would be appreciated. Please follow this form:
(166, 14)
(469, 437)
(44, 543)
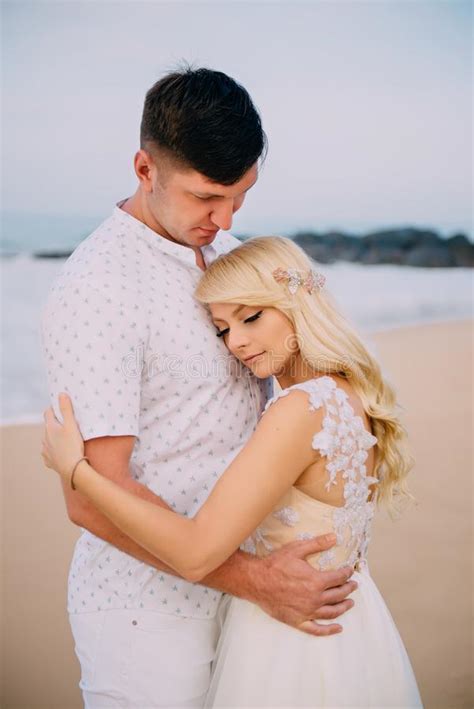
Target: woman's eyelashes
(252, 318)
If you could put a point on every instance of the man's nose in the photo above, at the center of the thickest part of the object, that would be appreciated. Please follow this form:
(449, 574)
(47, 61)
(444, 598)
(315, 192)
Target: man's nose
(222, 214)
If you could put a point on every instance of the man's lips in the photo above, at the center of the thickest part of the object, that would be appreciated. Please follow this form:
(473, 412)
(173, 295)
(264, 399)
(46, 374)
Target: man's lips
(249, 359)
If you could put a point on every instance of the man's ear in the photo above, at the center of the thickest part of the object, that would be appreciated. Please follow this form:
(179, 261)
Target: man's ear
(144, 167)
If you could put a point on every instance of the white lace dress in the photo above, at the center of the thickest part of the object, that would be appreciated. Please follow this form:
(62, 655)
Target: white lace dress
(263, 663)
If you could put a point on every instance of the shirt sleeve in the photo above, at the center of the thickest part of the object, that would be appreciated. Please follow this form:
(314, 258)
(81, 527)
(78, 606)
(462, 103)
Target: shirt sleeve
(93, 349)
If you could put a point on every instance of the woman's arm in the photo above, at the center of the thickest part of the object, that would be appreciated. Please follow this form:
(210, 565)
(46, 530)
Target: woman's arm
(276, 455)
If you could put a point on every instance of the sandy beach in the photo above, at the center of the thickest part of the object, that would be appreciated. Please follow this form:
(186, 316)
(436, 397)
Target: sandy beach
(422, 562)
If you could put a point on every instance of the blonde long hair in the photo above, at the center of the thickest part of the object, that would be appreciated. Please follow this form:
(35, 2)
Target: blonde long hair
(326, 340)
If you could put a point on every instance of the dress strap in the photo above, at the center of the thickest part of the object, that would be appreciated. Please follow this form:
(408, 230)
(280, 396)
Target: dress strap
(320, 391)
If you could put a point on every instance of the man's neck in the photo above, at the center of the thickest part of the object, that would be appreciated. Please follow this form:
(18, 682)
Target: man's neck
(137, 208)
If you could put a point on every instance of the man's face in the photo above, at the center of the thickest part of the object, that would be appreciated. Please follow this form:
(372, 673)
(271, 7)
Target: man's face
(190, 209)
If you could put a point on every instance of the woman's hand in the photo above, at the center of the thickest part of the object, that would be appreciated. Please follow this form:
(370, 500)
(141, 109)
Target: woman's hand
(63, 445)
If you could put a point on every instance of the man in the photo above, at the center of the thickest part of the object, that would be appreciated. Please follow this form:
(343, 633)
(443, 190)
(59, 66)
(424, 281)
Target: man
(162, 406)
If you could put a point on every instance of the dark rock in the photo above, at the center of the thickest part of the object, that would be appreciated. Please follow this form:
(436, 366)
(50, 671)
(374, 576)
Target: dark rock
(399, 240)
(52, 254)
(406, 238)
(384, 253)
(407, 246)
(330, 247)
(430, 256)
(462, 250)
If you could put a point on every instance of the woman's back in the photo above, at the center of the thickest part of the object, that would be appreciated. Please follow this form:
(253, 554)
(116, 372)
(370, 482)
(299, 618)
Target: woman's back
(335, 493)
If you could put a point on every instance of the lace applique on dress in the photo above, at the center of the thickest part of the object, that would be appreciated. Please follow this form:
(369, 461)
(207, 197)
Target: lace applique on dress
(258, 537)
(305, 536)
(287, 515)
(344, 441)
(327, 559)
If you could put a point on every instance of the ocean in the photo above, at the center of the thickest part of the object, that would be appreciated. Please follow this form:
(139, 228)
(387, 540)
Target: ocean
(374, 298)
(24, 233)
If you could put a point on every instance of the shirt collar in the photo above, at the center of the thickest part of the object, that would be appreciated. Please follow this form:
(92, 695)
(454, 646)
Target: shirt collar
(178, 251)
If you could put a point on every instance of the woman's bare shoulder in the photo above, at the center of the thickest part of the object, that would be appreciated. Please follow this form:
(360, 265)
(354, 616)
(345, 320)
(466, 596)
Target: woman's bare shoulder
(292, 409)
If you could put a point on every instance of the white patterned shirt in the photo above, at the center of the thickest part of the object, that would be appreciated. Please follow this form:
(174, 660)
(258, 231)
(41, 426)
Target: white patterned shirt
(123, 334)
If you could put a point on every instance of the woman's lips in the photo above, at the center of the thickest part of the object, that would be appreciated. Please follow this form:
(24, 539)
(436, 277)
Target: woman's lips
(252, 357)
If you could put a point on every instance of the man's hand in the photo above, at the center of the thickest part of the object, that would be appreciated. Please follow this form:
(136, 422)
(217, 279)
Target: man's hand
(292, 591)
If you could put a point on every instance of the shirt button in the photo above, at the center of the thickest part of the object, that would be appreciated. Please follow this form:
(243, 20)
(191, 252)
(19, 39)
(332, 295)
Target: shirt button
(134, 622)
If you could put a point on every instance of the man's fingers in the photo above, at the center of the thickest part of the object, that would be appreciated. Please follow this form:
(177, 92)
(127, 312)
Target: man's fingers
(337, 577)
(318, 629)
(336, 595)
(313, 546)
(331, 612)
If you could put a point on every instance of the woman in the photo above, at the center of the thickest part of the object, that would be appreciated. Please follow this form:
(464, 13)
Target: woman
(328, 447)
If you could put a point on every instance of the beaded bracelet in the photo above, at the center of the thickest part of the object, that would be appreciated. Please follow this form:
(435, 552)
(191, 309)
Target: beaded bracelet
(74, 470)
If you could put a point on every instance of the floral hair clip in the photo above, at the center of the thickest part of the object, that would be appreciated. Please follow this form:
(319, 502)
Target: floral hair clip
(311, 280)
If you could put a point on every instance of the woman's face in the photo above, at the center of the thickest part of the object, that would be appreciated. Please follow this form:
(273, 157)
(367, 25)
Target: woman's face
(261, 338)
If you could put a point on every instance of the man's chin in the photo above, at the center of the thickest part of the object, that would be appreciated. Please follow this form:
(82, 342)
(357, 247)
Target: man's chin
(206, 234)
(197, 238)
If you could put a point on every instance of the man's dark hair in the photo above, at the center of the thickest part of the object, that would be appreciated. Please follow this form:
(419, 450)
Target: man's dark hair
(204, 120)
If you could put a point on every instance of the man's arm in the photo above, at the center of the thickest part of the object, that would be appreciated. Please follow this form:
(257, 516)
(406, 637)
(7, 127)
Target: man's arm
(283, 584)
(110, 455)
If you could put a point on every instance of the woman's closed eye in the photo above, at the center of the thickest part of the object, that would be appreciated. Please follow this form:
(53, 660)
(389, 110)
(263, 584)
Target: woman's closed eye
(252, 318)
(222, 333)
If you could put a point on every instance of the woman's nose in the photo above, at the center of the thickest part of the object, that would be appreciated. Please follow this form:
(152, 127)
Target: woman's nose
(237, 340)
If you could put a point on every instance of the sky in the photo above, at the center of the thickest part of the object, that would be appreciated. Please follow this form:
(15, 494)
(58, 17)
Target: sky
(367, 105)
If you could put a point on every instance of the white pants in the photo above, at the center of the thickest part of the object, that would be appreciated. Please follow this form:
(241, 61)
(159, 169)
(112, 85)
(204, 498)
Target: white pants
(143, 659)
